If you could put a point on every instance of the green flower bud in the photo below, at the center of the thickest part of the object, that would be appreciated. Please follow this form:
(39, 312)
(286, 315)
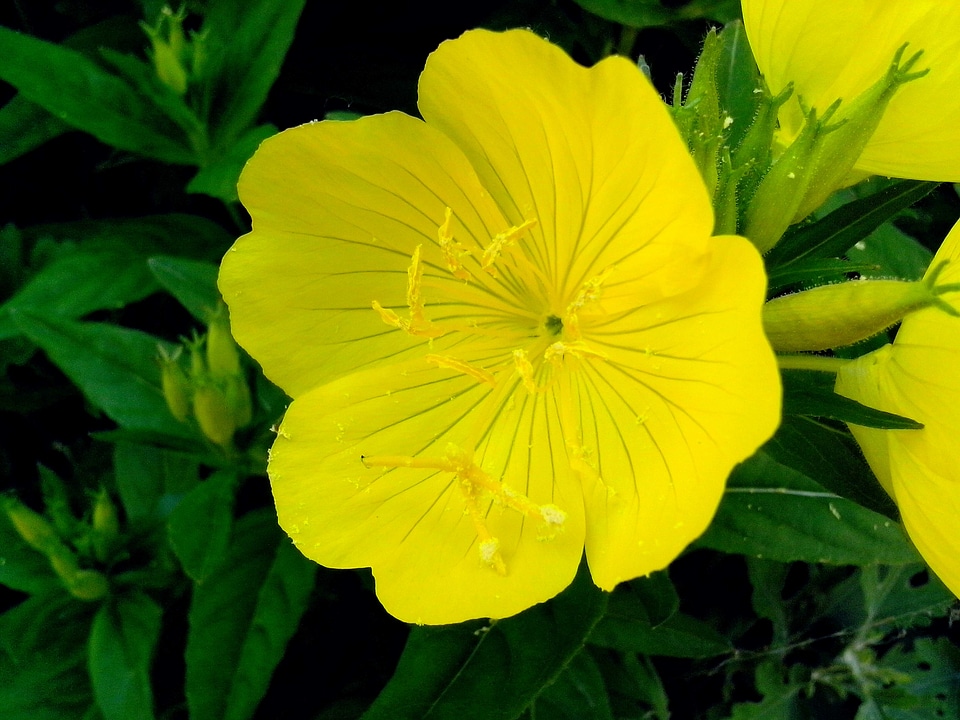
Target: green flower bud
(169, 49)
(176, 386)
(223, 355)
(32, 527)
(88, 585)
(239, 401)
(106, 526)
(832, 316)
(213, 414)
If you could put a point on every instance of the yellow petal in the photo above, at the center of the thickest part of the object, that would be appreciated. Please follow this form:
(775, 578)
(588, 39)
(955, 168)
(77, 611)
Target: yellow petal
(413, 524)
(836, 50)
(593, 155)
(689, 388)
(338, 209)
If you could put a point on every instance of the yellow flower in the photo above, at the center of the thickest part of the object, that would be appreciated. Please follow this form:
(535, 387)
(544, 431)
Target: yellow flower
(506, 329)
(917, 377)
(837, 49)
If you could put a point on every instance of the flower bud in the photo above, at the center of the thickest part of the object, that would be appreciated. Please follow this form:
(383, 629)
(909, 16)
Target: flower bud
(32, 527)
(176, 386)
(832, 316)
(170, 49)
(223, 356)
(106, 526)
(213, 414)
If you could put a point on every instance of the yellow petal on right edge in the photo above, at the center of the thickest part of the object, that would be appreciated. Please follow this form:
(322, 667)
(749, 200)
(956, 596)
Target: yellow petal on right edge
(835, 50)
(689, 388)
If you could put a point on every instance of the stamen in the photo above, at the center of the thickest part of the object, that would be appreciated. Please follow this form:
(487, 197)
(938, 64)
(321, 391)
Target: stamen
(452, 250)
(578, 349)
(417, 324)
(525, 370)
(479, 374)
(474, 483)
(500, 243)
(589, 292)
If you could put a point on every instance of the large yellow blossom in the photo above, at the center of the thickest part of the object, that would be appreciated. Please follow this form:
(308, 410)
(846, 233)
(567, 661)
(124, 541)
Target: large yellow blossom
(507, 331)
(917, 377)
(836, 49)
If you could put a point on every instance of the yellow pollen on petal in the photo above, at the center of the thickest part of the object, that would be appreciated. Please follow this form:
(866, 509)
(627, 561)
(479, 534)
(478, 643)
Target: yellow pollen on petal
(589, 293)
(500, 243)
(417, 324)
(578, 349)
(475, 484)
(478, 374)
(525, 370)
(451, 250)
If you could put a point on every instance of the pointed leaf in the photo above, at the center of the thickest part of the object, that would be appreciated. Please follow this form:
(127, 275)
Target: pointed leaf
(81, 93)
(124, 633)
(199, 527)
(578, 693)
(114, 367)
(775, 512)
(192, 282)
(475, 671)
(811, 393)
(242, 618)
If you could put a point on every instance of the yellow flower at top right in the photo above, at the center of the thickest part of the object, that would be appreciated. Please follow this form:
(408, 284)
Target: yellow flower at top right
(836, 49)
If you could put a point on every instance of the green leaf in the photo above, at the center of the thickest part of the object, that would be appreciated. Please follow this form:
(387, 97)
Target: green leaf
(811, 393)
(199, 527)
(889, 253)
(43, 667)
(174, 233)
(81, 93)
(219, 178)
(816, 271)
(578, 693)
(836, 233)
(247, 43)
(124, 633)
(679, 636)
(193, 283)
(818, 450)
(151, 480)
(21, 567)
(775, 512)
(106, 276)
(737, 79)
(25, 126)
(632, 13)
(242, 618)
(475, 671)
(933, 691)
(114, 367)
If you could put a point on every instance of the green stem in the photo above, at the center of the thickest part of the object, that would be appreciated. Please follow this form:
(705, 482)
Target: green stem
(820, 363)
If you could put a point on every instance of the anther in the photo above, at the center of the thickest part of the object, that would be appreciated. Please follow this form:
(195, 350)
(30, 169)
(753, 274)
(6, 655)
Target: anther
(452, 250)
(460, 366)
(502, 242)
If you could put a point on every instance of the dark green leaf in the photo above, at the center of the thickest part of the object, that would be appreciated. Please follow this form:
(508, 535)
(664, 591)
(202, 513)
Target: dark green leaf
(79, 282)
(114, 367)
(474, 671)
(933, 667)
(242, 618)
(577, 694)
(176, 234)
(737, 81)
(219, 179)
(199, 527)
(192, 282)
(775, 512)
(43, 664)
(24, 126)
(836, 233)
(151, 480)
(811, 393)
(900, 594)
(81, 93)
(832, 456)
(632, 13)
(818, 271)
(680, 636)
(247, 43)
(889, 253)
(124, 633)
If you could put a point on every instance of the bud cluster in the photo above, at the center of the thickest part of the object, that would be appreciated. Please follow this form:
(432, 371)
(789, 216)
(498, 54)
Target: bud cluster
(213, 388)
(177, 59)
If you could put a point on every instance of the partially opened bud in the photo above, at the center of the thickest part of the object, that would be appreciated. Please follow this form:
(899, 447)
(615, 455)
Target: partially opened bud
(213, 414)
